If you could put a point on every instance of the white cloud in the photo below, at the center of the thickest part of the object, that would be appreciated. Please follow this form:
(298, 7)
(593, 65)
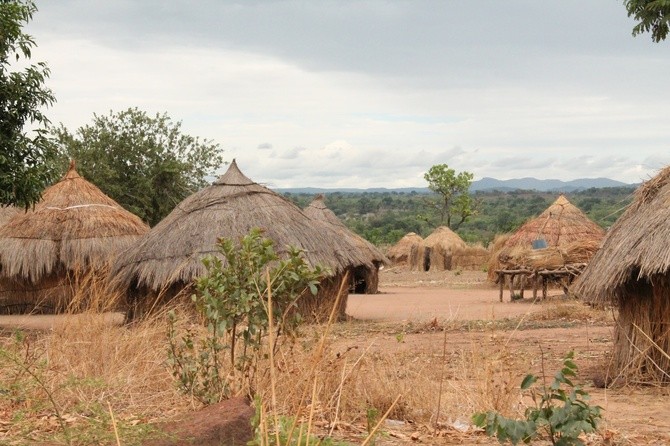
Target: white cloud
(373, 93)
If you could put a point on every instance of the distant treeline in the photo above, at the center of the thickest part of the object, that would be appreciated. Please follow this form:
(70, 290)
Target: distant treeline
(384, 217)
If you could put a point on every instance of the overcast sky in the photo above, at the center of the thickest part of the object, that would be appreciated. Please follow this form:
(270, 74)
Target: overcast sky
(373, 93)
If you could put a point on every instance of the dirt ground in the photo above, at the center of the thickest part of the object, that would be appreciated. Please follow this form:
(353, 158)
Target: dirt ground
(420, 301)
(416, 312)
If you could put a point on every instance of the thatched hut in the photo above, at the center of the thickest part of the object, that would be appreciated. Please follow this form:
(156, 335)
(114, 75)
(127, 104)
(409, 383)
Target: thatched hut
(632, 272)
(435, 253)
(406, 250)
(166, 261)
(560, 226)
(364, 278)
(73, 230)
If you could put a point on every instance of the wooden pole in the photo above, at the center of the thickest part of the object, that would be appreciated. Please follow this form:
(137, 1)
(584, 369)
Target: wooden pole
(501, 279)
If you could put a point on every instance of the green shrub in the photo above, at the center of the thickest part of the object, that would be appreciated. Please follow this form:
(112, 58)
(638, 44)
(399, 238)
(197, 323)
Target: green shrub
(562, 413)
(232, 298)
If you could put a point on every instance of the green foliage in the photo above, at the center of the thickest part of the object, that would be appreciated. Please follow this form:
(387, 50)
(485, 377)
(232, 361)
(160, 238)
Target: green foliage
(455, 200)
(143, 162)
(652, 16)
(25, 157)
(560, 410)
(232, 299)
(397, 213)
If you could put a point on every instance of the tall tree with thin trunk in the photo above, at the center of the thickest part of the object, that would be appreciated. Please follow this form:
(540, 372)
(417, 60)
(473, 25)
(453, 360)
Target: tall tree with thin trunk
(455, 203)
(25, 151)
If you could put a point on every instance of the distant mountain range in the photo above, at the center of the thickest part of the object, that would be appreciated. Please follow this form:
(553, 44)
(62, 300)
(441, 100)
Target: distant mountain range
(485, 184)
(545, 185)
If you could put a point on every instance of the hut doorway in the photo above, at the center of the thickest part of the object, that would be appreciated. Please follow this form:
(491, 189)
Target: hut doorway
(426, 258)
(359, 282)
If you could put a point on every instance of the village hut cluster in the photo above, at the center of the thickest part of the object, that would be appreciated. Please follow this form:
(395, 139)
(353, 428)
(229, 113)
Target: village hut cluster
(442, 250)
(77, 230)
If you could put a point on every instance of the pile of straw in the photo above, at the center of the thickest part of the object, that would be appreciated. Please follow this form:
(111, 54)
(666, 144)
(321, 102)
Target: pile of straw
(472, 257)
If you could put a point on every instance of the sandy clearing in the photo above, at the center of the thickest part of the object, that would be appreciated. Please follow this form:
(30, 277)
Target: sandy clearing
(427, 303)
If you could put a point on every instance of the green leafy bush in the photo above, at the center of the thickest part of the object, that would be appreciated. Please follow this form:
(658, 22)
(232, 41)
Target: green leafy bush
(560, 410)
(232, 299)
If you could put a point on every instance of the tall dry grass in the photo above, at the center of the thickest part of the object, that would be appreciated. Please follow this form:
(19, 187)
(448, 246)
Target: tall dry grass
(62, 381)
(90, 367)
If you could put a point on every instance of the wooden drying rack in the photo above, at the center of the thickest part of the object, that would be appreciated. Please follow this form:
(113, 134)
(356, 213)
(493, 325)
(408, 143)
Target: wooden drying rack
(539, 277)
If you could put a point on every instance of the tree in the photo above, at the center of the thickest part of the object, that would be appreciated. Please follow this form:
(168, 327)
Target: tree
(455, 200)
(652, 15)
(24, 155)
(143, 162)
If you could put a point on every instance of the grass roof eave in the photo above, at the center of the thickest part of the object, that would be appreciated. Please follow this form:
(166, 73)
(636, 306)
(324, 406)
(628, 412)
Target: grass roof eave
(635, 247)
(230, 207)
(73, 226)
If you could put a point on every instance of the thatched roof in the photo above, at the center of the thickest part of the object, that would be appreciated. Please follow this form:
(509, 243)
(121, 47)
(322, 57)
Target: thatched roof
(173, 250)
(74, 226)
(559, 225)
(636, 246)
(401, 251)
(446, 238)
(7, 212)
(318, 210)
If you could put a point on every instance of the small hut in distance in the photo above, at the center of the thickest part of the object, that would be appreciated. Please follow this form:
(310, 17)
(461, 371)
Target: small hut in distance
(406, 250)
(437, 250)
(364, 278)
(75, 229)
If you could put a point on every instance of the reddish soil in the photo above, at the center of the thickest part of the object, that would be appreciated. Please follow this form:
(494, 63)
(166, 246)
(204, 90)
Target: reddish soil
(632, 415)
(419, 305)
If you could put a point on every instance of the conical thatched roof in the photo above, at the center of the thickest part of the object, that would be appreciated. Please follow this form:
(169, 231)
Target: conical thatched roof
(445, 237)
(400, 252)
(569, 234)
(635, 248)
(317, 210)
(559, 225)
(74, 226)
(173, 250)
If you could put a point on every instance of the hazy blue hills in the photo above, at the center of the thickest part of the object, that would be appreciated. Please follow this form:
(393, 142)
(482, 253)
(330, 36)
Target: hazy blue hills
(545, 185)
(485, 184)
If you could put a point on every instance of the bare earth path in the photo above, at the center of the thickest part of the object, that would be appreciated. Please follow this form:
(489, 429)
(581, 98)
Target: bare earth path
(427, 303)
(632, 416)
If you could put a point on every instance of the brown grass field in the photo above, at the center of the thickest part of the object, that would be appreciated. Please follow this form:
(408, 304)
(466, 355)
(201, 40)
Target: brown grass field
(440, 343)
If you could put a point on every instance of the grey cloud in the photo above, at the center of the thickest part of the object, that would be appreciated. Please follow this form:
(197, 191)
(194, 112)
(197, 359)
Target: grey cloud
(292, 154)
(431, 41)
(264, 146)
(516, 163)
(656, 161)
